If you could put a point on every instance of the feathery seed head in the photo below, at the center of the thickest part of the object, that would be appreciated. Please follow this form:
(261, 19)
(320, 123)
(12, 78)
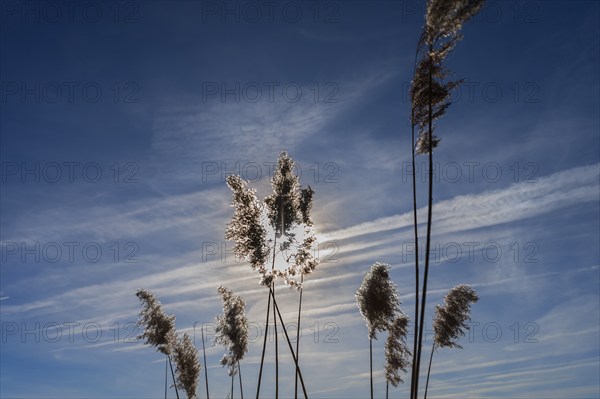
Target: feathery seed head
(187, 365)
(397, 354)
(158, 327)
(451, 318)
(245, 228)
(284, 204)
(430, 92)
(232, 329)
(284, 215)
(377, 299)
(445, 18)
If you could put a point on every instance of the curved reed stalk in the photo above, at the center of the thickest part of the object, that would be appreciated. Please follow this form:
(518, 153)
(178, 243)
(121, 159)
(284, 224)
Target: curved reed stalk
(430, 99)
(205, 368)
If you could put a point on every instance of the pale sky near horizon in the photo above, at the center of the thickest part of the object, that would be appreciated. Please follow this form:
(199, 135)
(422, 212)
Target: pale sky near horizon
(119, 122)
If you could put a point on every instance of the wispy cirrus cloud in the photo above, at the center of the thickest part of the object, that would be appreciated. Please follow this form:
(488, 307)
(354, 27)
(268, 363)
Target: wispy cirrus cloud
(519, 201)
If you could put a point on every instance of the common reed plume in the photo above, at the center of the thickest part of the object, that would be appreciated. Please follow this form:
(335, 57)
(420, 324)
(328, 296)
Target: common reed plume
(450, 321)
(280, 231)
(232, 332)
(245, 228)
(288, 210)
(158, 328)
(187, 365)
(397, 354)
(378, 301)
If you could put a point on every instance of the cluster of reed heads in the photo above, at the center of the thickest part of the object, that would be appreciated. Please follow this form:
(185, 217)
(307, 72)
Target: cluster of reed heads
(276, 237)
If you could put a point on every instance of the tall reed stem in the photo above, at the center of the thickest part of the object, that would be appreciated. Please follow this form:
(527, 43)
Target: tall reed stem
(205, 367)
(272, 293)
(276, 345)
(166, 366)
(416, 235)
(429, 370)
(429, 214)
(262, 358)
(240, 375)
(291, 348)
(298, 335)
(371, 363)
(173, 375)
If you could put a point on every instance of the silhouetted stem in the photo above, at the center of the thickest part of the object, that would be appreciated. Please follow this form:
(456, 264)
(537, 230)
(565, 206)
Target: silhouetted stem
(272, 292)
(429, 214)
(205, 367)
(166, 366)
(173, 375)
(416, 231)
(240, 375)
(232, 377)
(262, 358)
(416, 321)
(298, 336)
(276, 346)
(290, 346)
(429, 370)
(371, 363)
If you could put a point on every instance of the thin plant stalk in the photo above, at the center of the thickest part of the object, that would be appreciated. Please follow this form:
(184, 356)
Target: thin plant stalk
(240, 375)
(166, 366)
(298, 336)
(262, 358)
(429, 215)
(444, 19)
(416, 235)
(371, 363)
(232, 378)
(272, 290)
(387, 389)
(271, 295)
(205, 368)
(276, 346)
(173, 375)
(429, 370)
(290, 346)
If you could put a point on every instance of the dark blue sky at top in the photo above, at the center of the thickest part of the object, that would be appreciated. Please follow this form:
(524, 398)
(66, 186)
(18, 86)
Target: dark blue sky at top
(171, 48)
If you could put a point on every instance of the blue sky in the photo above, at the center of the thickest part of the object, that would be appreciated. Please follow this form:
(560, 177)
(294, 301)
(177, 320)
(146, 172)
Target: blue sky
(120, 120)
